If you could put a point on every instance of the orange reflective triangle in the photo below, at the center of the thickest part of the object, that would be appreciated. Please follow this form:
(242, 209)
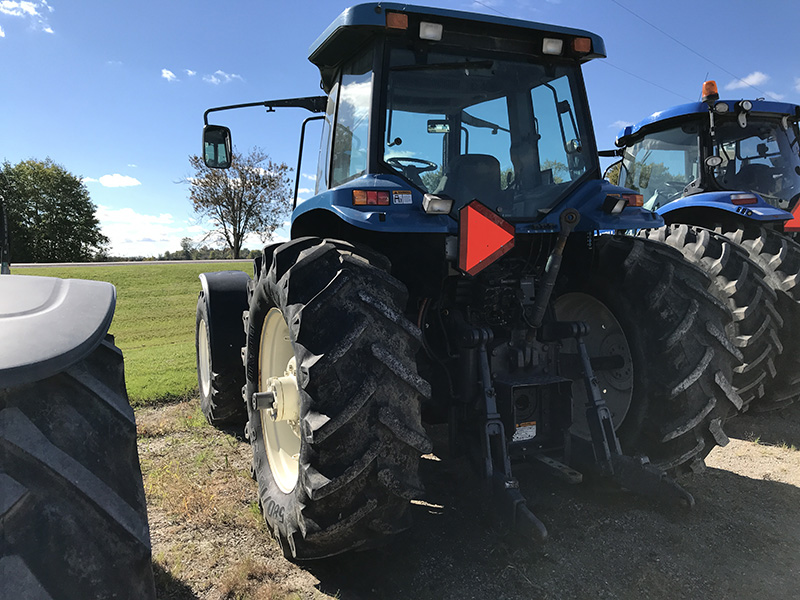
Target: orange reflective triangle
(793, 224)
(483, 237)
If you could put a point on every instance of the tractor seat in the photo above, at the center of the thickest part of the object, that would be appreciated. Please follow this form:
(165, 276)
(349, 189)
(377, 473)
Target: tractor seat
(472, 176)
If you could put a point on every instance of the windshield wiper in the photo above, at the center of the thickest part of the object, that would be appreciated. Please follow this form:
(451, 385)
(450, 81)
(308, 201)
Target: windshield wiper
(481, 64)
(468, 119)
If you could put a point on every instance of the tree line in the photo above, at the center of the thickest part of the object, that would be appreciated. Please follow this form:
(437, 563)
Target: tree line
(51, 217)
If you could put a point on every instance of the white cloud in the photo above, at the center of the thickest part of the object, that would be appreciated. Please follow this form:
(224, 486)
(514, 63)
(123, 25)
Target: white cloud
(136, 234)
(620, 124)
(221, 77)
(133, 166)
(797, 84)
(190, 73)
(755, 78)
(168, 75)
(33, 10)
(117, 180)
(303, 191)
(775, 96)
(309, 176)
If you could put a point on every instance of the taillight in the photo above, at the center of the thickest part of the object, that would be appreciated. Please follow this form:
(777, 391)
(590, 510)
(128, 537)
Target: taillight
(370, 198)
(616, 203)
(739, 199)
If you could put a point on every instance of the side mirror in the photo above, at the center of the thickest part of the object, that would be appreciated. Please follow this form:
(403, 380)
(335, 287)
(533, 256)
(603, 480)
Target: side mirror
(217, 146)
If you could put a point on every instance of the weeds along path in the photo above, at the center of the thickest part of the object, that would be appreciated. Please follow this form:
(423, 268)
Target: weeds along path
(741, 541)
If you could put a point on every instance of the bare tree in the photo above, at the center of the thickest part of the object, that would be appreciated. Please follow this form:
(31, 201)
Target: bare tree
(252, 196)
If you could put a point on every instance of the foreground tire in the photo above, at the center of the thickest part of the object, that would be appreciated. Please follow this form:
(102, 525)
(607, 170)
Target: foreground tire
(740, 284)
(336, 456)
(779, 257)
(73, 517)
(672, 393)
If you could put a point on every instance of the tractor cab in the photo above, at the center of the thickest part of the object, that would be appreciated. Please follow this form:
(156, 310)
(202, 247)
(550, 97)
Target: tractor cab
(750, 147)
(452, 109)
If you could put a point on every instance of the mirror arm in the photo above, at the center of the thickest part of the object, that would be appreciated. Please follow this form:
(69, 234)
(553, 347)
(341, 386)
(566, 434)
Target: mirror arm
(316, 104)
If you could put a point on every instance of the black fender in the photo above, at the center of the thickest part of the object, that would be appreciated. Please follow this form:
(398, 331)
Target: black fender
(49, 324)
(225, 295)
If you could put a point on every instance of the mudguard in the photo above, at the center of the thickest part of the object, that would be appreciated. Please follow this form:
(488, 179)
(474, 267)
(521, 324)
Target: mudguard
(225, 295)
(49, 324)
(760, 211)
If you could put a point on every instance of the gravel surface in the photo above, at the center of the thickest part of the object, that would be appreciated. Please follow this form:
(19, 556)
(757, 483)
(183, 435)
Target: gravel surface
(741, 540)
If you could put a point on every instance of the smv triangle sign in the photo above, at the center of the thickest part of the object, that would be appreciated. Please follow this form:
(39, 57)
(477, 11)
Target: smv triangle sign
(483, 237)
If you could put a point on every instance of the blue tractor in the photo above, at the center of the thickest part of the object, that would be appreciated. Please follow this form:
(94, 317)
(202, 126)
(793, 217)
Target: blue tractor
(450, 270)
(719, 170)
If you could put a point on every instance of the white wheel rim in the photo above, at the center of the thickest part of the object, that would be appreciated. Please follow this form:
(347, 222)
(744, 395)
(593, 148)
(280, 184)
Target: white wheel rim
(606, 338)
(281, 438)
(204, 358)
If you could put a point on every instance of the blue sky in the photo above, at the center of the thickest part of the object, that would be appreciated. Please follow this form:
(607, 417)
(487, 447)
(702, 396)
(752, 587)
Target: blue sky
(115, 91)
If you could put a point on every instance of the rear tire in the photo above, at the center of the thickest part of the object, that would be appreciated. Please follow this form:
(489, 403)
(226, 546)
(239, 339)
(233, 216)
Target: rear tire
(740, 284)
(779, 257)
(73, 516)
(341, 475)
(680, 358)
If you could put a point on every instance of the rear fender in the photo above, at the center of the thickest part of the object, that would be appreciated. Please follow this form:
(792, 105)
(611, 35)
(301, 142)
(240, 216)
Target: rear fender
(49, 324)
(225, 294)
(718, 207)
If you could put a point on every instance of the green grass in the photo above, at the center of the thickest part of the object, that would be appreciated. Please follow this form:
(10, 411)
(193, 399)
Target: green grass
(153, 324)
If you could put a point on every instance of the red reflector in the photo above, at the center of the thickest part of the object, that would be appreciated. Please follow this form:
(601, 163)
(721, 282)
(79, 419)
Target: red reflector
(582, 45)
(739, 199)
(372, 198)
(483, 237)
(383, 198)
(793, 224)
(396, 20)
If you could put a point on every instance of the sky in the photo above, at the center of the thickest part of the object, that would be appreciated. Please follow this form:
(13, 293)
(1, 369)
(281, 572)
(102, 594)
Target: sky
(115, 91)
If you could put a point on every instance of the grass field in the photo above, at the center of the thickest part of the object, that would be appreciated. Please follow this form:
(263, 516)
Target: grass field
(153, 324)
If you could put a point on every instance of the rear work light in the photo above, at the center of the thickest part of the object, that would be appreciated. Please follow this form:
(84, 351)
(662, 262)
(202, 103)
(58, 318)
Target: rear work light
(739, 199)
(430, 31)
(552, 46)
(370, 198)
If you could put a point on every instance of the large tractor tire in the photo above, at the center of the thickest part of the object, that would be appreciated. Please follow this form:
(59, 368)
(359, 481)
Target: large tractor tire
(740, 284)
(779, 257)
(333, 397)
(73, 517)
(218, 342)
(672, 393)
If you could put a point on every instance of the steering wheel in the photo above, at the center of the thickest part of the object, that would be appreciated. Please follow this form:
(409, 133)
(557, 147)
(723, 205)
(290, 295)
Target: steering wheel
(674, 189)
(424, 165)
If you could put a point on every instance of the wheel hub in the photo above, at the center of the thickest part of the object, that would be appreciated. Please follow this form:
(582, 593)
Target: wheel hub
(278, 400)
(204, 358)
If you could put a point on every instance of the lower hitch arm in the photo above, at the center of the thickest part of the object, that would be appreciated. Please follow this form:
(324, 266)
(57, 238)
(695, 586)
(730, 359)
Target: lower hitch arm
(497, 464)
(634, 473)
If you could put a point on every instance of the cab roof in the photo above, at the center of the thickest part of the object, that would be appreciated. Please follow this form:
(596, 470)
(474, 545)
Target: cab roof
(357, 24)
(661, 119)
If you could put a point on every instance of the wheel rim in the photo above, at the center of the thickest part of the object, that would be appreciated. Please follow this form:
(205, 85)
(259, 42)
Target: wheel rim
(276, 365)
(204, 358)
(606, 338)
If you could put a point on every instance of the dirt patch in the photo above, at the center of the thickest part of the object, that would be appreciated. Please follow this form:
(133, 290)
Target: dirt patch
(741, 540)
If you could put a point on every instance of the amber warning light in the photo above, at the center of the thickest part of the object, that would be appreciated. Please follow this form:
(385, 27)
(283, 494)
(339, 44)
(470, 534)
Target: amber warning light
(483, 237)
